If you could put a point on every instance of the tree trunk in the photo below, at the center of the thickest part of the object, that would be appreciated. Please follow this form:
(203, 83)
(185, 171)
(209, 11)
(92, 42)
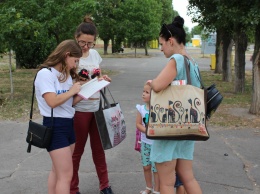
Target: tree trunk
(227, 50)
(240, 61)
(17, 62)
(255, 103)
(11, 76)
(145, 48)
(106, 46)
(218, 52)
(113, 45)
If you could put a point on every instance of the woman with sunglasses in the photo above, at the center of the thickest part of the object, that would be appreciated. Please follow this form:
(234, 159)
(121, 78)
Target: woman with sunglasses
(172, 156)
(84, 119)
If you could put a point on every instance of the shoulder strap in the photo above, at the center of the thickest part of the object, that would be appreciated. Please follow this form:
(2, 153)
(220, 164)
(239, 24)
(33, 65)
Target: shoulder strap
(187, 63)
(187, 67)
(31, 112)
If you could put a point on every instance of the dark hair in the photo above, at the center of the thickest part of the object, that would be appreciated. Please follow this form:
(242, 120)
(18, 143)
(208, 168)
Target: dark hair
(86, 27)
(176, 29)
(59, 55)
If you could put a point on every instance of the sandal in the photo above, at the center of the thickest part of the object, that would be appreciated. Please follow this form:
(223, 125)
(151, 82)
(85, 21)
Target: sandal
(156, 192)
(145, 191)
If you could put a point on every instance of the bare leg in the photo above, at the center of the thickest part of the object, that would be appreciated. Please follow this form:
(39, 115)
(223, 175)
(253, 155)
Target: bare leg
(52, 180)
(156, 182)
(166, 172)
(184, 170)
(180, 190)
(148, 178)
(61, 172)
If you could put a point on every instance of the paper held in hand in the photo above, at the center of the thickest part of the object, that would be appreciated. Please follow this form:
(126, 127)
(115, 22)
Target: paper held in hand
(91, 87)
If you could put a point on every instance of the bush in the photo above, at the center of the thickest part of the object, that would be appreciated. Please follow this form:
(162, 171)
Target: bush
(29, 53)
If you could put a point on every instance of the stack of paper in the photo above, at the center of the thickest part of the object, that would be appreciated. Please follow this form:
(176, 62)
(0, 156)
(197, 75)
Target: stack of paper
(91, 87)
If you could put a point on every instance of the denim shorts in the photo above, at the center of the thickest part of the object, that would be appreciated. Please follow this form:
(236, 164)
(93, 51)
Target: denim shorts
(145, 156)
(63, 134)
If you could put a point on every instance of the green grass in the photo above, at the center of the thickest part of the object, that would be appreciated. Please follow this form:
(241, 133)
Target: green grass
(231, 101)
(18, 105)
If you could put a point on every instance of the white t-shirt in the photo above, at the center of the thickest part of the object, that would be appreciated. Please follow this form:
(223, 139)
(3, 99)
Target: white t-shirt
(144, 114)
(47, 81)
(91, 62)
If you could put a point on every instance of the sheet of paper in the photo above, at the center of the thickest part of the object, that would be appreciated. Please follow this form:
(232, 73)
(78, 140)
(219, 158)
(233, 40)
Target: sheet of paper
(91, 87)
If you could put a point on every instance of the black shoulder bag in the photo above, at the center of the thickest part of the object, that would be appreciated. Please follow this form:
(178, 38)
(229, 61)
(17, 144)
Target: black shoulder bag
(38, 135)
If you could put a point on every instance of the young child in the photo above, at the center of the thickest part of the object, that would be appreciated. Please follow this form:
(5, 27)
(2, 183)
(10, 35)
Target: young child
(148, 166)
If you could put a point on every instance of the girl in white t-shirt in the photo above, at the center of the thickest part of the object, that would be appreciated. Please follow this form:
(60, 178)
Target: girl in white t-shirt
(146, 144)
(55, 90)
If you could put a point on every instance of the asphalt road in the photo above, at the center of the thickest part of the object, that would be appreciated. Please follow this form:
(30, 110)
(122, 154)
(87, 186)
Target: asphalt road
(228, 163)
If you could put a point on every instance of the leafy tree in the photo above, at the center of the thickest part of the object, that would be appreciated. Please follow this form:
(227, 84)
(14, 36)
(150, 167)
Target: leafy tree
(244, 17)
(238, 19)
(206, 14)
(196, 30)
(168, 12)
(142, 19)
(107, 17)
(225, 17)
(188, 34)
(33, 28)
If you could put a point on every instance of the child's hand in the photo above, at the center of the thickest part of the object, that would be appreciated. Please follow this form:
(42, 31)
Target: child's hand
(149, 82)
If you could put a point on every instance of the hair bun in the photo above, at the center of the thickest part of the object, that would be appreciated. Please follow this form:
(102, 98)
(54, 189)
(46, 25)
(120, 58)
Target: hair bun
(88, 19)
(178, 22)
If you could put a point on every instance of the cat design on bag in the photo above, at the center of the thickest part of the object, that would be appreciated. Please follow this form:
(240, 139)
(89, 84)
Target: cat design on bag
(179, 114)
(115, 125)
(174, 110)
(119, 128)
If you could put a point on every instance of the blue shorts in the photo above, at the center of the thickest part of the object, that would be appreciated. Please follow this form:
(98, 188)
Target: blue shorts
(145, 156)
(63, 134)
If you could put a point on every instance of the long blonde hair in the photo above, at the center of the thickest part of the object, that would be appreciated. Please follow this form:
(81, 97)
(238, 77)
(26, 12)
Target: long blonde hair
(58, 56)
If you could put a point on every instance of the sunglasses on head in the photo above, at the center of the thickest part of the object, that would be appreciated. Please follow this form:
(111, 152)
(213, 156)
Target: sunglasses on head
(165, 26)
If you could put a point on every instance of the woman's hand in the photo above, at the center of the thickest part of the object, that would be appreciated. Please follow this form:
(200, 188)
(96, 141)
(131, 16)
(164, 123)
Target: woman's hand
(106, 78)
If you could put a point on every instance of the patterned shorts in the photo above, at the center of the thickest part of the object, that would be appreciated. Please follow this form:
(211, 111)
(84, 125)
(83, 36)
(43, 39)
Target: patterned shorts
(145, 156)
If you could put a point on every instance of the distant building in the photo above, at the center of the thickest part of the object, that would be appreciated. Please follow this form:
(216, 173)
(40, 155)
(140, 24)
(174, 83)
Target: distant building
(209, 45)
(196, 41)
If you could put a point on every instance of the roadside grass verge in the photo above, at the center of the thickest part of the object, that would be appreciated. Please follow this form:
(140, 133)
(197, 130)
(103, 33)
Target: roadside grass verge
(229, 112)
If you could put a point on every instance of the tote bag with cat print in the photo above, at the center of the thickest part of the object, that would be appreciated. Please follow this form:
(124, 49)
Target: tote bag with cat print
(178, 113)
